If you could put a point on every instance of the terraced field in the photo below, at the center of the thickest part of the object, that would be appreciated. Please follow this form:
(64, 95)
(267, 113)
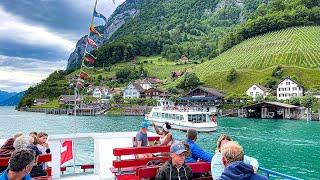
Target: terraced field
(291, 47)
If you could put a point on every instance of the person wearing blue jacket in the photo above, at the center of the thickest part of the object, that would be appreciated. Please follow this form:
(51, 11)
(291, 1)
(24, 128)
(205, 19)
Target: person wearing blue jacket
(197, 153)
(235, 168)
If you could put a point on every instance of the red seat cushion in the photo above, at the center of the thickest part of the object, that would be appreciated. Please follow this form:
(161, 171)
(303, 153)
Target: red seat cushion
(127, 177)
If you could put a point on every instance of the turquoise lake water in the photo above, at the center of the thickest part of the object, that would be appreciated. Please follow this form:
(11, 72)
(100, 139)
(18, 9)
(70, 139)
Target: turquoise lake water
(290, 147)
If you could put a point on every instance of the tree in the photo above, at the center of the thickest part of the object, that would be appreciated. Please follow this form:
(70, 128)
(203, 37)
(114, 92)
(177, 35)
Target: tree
(259, 98)
(295, 101)
(232, 75)
(277, 72)
(190, 81)
(308, 101)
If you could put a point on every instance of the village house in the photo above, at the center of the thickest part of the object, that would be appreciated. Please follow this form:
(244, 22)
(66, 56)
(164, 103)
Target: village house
(152, 93)
(40, 101)
(288, 88)
(257, 90)
(204, 97)
(70, 99)
(100, 93)
(133, 90)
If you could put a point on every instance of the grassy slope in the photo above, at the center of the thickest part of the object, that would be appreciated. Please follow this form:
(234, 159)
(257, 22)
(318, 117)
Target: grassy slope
(295, 48)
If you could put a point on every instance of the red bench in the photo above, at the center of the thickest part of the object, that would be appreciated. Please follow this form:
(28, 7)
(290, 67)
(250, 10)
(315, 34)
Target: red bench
(129, 166)
(41, 159)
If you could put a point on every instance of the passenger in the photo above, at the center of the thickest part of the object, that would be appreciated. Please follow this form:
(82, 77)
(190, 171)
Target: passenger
(216, 164)
(235, 168)
(37, 169)
(43, 146)
(7, 148)
(196, 152)
(165, 135)
(33, 133)
(142, 138)
(20, 165)
(22, 142)
(175, 168)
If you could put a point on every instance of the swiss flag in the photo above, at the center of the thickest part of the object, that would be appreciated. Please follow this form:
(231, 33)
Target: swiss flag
(66, 151)
(214, 119)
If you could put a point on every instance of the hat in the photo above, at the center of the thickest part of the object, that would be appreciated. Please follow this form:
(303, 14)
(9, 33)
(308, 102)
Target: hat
(178, 148)
(144, 124)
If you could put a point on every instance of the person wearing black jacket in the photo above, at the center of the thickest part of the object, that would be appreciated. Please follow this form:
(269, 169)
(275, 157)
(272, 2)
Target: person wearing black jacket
(175, 168)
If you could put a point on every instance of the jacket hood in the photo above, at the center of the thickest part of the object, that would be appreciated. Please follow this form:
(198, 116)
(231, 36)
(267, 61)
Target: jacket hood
(238, 170)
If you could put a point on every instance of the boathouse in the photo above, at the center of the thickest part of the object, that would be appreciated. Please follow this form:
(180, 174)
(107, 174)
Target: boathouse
(273, 110)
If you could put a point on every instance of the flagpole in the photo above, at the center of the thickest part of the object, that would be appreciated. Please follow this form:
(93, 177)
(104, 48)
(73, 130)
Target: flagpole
(76, 90)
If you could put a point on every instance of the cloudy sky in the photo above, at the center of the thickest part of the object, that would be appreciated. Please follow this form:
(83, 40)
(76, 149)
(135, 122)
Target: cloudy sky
(37, 37)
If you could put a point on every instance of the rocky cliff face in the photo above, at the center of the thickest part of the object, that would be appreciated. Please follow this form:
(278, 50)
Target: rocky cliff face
(117, 19)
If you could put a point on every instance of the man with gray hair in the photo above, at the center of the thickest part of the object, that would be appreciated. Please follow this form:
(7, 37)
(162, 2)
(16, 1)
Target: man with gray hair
(235, 168)
(20, 165)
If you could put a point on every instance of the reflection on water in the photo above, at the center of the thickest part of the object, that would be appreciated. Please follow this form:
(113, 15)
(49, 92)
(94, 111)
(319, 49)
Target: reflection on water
(290, 147)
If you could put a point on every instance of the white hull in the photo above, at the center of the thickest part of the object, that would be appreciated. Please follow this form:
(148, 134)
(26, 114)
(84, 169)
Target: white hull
(184, 126)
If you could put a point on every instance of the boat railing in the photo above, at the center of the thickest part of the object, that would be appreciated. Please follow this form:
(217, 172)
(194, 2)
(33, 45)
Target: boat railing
(272, 173)
(183, 109)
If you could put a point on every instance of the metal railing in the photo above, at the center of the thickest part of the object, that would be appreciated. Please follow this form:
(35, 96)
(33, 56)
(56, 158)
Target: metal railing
(269, 172)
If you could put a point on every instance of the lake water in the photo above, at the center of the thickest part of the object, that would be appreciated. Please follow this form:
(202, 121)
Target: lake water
(291, 147)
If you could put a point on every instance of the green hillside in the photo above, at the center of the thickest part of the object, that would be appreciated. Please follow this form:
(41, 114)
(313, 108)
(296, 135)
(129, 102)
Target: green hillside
(292, 47)
(296, 49)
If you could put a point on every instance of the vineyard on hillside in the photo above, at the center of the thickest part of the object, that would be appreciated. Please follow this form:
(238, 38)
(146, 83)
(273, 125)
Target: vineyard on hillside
(290, 47)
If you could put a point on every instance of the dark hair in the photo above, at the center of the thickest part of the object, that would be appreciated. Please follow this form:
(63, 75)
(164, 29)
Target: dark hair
(192, 134)
(168, 126)
(41, 134)
(33, 133)
(21, 159)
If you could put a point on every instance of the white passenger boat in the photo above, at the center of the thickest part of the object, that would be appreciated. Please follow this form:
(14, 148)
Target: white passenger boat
(183, 117)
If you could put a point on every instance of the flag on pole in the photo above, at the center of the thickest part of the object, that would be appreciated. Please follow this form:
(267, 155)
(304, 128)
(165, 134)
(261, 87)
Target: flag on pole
(98, 15)
(90, 55)
(89, 59)
(66, 151)
(94, 31)
(83, 75)
(91, 42)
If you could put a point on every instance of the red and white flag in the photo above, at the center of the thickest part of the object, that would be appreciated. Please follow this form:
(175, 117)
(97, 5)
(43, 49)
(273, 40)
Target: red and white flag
(66, 151)
(91, 42)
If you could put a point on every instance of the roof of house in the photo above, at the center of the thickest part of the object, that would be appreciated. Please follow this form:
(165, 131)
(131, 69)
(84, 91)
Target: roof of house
(261, 87)
(213, 91)
(67, 98)
(137, 87)
(291, 80)
(41, 100)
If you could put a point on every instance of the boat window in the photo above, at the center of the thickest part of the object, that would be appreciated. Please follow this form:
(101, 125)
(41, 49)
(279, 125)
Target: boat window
(173, 116)
(166, 115)
(162, 115)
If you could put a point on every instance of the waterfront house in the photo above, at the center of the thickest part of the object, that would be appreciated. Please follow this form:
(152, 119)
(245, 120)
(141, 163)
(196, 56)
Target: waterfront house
(70, 99)
(257, 90)
(288, 88)
(40, 101)
(204, 97)
(100, 93)
(133, 90)
(153, 93)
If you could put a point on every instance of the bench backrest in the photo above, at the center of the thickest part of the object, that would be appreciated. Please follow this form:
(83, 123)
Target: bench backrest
(41, 159)
(151, 172)
(140, 150)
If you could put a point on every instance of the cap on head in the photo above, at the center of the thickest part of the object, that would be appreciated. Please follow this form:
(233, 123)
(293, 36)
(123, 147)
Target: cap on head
(178, 148)
(144, 124)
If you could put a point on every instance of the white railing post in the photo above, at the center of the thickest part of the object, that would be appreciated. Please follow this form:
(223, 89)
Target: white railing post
(55, 146)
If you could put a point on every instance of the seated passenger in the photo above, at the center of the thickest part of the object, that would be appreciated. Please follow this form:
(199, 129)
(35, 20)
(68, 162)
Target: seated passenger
(165, 135)
(216, 164)
(43, 146)
(196, 152)
(7, 148)
(235, 168)
(175, 168)
(37, 169)
(20, 165)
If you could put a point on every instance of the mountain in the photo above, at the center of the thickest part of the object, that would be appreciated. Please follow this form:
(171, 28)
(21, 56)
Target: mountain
(5, 95)
(125, 11)
(175, 27)
(13, 100)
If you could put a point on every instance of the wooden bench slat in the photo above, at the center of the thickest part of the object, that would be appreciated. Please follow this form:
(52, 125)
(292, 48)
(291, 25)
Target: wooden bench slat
(127, 177)
(4, 162)
(151, 138)
(136, 162)
(44, 158)
(140, 150)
